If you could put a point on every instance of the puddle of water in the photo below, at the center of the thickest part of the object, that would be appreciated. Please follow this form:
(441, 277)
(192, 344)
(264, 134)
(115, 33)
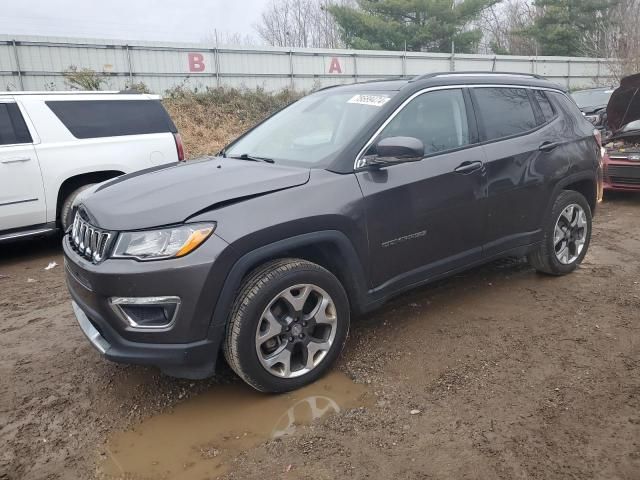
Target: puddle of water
(201, 436)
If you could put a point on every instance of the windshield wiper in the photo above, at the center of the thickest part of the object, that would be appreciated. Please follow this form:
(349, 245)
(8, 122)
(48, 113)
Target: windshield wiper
(253, 158)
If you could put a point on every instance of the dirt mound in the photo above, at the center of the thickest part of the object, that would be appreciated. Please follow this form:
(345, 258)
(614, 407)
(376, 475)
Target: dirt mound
(208, 120)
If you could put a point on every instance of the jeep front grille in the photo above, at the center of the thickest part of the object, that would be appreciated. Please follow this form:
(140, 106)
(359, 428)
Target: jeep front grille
(89, 241)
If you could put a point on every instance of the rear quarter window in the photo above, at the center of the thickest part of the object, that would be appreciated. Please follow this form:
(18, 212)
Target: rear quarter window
(568, 106)
(112, 118)
(545, 104)
(504, 111)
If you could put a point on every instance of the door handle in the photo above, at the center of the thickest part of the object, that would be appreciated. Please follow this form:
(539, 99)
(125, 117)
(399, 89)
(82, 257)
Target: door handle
(468, 167)
(16, 160)
(548, 146)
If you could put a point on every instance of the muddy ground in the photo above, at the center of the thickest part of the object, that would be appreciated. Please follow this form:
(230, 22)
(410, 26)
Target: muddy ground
(496, 373)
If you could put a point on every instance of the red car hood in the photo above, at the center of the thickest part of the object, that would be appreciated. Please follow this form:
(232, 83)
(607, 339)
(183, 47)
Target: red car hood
(624, 104)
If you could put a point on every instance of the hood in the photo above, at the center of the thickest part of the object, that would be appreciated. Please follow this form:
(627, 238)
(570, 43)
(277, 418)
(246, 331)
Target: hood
(624, 104)
(173, 193)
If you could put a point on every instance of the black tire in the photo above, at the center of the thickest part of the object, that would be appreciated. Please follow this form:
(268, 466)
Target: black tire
(257, 292)
(544, 259)
(66, 213)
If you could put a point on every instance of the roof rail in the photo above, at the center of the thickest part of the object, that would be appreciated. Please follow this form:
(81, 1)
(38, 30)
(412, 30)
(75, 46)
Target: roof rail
(475, 73)
(390, 78)
(325, 88)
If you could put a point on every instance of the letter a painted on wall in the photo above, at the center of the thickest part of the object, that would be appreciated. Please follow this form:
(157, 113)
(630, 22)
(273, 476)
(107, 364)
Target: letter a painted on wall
(335, 67)
(196, 62)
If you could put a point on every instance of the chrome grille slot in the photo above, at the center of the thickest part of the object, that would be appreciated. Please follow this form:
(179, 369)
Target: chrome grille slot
(89, 241)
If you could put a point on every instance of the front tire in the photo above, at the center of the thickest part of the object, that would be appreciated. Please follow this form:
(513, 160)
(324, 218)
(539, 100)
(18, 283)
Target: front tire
(567, 234)
(288, 325)
(66, 212)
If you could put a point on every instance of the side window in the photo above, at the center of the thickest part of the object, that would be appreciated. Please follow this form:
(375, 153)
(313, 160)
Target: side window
(504, 111)
(437, 118)
(13, 130)
(567, 104)
(545, 105)
(112, 118)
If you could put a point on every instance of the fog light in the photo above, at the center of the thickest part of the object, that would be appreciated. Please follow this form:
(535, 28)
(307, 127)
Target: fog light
(146, 313)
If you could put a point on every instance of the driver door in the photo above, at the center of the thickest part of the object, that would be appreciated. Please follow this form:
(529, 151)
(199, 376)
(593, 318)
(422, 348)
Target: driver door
(427, 217)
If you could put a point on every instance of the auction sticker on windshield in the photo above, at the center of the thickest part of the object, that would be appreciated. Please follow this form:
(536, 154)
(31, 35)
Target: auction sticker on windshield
(373, 100)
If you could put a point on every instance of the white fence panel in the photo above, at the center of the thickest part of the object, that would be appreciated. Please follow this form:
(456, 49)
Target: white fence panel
(375, 66)
(417, 63)
(38, 63)
(150, 62)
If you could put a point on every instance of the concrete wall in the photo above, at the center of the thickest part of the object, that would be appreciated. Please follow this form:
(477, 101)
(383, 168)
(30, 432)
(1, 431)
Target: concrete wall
(38, 63)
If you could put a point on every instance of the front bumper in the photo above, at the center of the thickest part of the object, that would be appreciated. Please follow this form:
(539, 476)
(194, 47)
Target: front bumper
(189, 348)
(621, 175)
(89, 330)
(195, 360)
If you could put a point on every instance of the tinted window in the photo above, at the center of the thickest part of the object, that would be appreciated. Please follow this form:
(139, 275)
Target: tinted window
(545, 105)
(504, 111)
(567, 105)
(437, 118)
(112, 118)
(13, 130)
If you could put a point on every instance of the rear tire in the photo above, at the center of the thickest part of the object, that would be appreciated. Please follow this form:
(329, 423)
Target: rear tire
(288, 325)
(66, 212)
(567, 234)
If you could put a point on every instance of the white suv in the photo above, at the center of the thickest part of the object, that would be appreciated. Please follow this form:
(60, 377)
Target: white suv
(53, 145)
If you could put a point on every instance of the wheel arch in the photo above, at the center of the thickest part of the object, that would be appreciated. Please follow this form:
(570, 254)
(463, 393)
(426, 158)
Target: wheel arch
(77, 181)
(584, 183)
(331, 249)
(588, 188)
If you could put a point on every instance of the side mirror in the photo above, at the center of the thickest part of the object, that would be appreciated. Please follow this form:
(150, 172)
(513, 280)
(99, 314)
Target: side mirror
(392, 150)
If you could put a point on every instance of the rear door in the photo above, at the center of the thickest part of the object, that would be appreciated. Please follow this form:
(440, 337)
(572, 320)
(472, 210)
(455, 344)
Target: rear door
(22, 200)
(427, 217)
(521, 150)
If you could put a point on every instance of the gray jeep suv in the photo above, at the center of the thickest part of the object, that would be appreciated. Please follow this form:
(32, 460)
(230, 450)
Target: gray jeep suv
(333, 205)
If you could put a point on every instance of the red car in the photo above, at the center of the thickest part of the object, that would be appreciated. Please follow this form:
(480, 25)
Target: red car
(622, 158)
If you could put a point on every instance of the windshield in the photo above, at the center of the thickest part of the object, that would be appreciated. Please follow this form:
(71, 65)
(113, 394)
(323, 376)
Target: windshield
(312, 130)
(592, 98)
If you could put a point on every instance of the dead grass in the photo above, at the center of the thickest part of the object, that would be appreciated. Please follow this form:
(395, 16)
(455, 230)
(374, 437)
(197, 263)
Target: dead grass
(210, 119)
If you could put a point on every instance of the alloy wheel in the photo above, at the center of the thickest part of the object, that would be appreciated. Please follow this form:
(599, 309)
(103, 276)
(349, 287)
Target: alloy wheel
(570, 234)
(296, 331)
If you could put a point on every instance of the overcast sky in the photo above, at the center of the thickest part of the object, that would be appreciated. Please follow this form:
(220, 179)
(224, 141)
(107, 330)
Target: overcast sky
(174, 20)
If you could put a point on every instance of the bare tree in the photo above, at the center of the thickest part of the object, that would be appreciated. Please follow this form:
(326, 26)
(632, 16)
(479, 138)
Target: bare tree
(300, 23)
(628, 41)
(504, 28)
(235, 39)
(619, 40)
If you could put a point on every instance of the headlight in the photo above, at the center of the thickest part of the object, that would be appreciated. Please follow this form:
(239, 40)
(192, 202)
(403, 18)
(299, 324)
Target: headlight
(164, 243)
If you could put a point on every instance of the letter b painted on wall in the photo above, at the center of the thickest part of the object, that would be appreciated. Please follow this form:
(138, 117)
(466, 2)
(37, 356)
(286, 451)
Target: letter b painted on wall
(196, 62)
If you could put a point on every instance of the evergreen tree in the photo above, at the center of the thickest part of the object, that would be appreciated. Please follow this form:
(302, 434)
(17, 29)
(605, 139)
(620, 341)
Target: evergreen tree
(572, 27)
(425, 25)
